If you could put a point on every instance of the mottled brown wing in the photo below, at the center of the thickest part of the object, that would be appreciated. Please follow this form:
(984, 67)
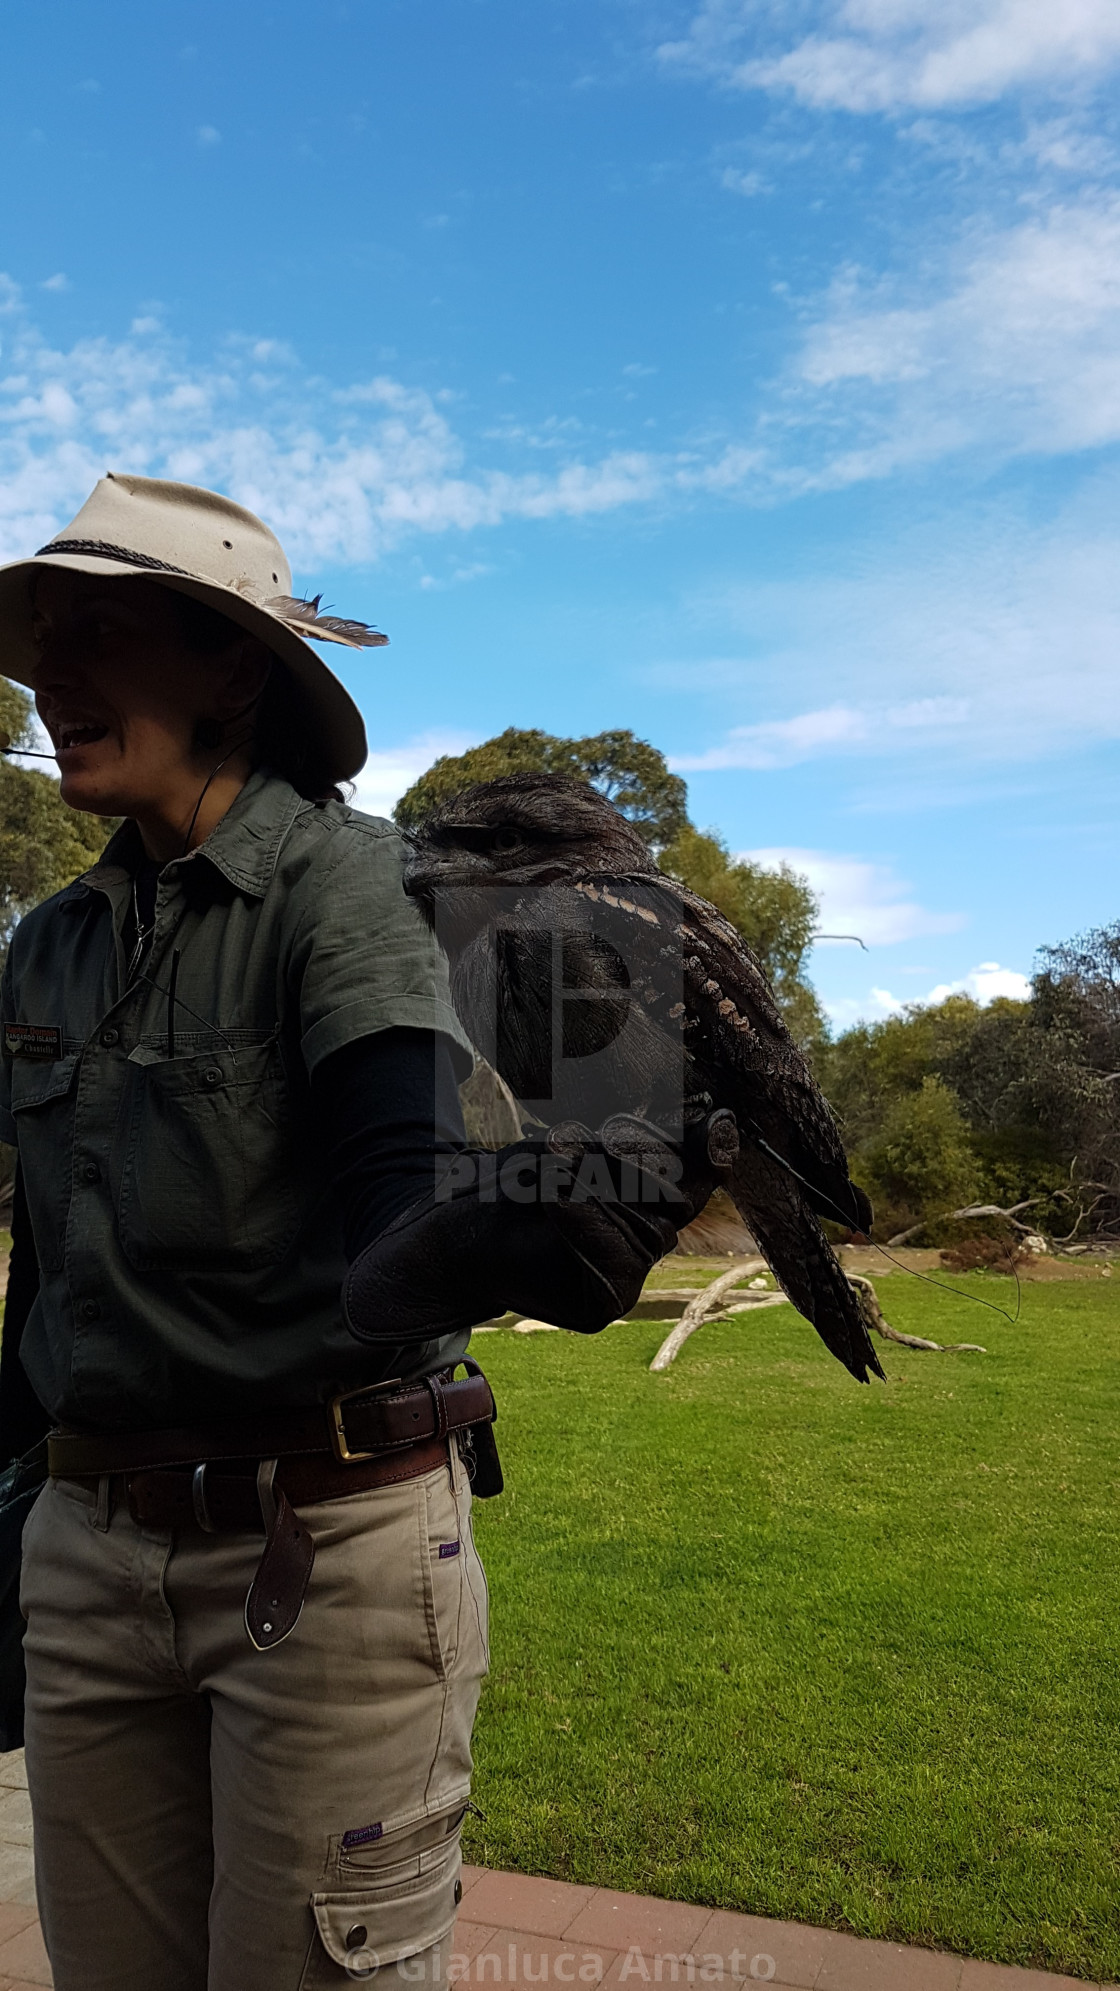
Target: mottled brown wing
(568, 997)
(755, 1067)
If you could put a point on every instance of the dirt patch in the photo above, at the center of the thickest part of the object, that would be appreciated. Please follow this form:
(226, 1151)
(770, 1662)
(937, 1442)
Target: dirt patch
(1034, 1269)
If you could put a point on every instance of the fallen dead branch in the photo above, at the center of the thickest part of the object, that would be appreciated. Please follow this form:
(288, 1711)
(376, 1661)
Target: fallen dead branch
(711, 1304)
(876, 1319)
(716, 1303)
(970, 1210)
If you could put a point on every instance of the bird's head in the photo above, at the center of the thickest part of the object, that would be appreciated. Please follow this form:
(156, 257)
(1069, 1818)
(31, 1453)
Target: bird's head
(522, 829)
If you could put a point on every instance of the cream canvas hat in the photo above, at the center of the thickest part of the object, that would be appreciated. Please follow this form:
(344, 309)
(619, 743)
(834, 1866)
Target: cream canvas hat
(203, 545)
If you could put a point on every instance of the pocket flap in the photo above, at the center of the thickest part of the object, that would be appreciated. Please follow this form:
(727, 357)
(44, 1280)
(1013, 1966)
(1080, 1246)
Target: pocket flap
(35, 1081)
(371, 1925)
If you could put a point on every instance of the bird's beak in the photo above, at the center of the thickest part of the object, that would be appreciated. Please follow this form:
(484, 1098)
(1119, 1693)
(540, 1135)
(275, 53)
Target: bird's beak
(428, 872)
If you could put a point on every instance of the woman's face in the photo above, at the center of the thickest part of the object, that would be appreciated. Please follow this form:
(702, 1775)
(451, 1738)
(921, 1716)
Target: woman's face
(120, 692)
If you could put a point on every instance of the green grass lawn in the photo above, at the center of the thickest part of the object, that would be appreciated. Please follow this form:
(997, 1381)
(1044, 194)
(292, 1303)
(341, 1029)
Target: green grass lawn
(765, 1639)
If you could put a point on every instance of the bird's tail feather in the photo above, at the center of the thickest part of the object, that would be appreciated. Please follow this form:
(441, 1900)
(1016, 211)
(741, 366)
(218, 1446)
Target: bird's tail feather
(803, 1262)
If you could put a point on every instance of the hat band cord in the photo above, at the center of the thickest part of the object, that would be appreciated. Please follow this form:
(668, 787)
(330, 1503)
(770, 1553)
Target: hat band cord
(104, 551)
(300, 618)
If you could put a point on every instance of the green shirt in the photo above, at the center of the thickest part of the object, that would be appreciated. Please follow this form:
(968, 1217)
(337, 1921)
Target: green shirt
(189, 1243)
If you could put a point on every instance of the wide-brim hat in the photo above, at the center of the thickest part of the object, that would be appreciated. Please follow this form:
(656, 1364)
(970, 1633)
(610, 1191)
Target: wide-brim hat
(203, 545)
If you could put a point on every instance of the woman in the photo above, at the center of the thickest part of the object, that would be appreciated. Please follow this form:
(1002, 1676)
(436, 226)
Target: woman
(229, 1064)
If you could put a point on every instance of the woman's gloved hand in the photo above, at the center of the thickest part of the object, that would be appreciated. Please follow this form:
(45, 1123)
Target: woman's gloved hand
(566, 1230)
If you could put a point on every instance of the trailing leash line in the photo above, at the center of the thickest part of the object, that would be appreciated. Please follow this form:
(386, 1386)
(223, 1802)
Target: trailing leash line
(844, 1217)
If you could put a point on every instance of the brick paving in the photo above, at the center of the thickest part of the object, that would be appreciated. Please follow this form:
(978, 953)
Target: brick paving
(514, 1929)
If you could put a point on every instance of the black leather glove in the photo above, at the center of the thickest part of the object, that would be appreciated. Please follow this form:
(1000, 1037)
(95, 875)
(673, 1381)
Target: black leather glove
(566, 1230)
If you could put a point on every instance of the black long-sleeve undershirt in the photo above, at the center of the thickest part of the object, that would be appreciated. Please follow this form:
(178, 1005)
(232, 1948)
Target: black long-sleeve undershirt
(386, 1108)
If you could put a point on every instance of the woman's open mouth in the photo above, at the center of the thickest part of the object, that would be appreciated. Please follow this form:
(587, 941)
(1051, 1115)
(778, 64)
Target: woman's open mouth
(79, 736)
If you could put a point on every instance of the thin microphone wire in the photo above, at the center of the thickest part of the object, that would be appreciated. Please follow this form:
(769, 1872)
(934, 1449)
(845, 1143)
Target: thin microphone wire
(216, 770)
(235, 748)
(173, 996)
(844, 1217)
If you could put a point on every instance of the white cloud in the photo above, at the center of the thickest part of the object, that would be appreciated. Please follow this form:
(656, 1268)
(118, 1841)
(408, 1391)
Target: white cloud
(874, 1007)
(890, 55)
(831, 729)
(272, 352)
(58, 282)
(781, 742)
(1013, 345)
(341, 474)
(992, 637)
(457, 577)
(1017, 350)
(390, 770)
(736, 181)
(858, 896)
(984, 984)
(208, 135)
(1061, 144)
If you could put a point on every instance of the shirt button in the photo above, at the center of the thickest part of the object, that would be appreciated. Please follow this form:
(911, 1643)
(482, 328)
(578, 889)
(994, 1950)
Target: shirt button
(91, 1172)
(109, 1038)
(90, 1310)
(356, 1936)
(212, 1075)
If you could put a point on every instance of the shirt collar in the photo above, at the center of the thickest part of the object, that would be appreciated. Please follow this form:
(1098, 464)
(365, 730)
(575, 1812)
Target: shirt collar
(243, 846)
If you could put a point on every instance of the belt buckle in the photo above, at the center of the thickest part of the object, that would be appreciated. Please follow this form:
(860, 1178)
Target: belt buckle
(339, 1445)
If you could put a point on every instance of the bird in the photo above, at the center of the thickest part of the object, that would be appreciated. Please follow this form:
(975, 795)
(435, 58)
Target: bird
(598, 985)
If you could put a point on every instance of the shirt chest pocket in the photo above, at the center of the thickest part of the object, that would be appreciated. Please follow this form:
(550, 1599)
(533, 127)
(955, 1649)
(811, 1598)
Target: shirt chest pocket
(43, 1110)
(209, 1175)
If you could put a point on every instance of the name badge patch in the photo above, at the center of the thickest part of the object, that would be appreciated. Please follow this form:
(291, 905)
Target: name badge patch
(33, 1040)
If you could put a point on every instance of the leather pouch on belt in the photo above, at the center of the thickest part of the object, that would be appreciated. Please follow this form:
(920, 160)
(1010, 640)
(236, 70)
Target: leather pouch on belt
(480, 1456)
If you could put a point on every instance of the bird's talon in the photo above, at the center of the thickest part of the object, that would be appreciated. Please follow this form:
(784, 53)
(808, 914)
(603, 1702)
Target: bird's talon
(569, 1138)
(723, 1138)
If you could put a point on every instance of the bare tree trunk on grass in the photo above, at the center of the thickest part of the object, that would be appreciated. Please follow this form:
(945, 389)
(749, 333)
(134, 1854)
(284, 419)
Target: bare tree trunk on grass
(712, 1304)
(877, 1320)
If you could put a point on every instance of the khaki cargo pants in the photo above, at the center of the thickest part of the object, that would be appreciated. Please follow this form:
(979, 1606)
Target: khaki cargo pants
(213, 1818)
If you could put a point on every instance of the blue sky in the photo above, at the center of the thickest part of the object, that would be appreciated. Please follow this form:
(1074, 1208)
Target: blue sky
(745, 374)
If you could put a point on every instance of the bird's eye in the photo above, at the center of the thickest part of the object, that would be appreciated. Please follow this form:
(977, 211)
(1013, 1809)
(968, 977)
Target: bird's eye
(507, 837)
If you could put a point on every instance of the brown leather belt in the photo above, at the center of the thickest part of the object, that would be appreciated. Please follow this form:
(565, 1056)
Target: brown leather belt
(224, 1499)
(247, 1476)
(352, 1427)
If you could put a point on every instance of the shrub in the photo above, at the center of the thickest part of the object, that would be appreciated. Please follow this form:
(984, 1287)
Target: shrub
(922, 1161)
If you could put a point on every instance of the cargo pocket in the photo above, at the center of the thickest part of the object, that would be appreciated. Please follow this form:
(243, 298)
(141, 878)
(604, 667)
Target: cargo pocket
(206, 1176)
(384, 1918)
(43, 1109)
